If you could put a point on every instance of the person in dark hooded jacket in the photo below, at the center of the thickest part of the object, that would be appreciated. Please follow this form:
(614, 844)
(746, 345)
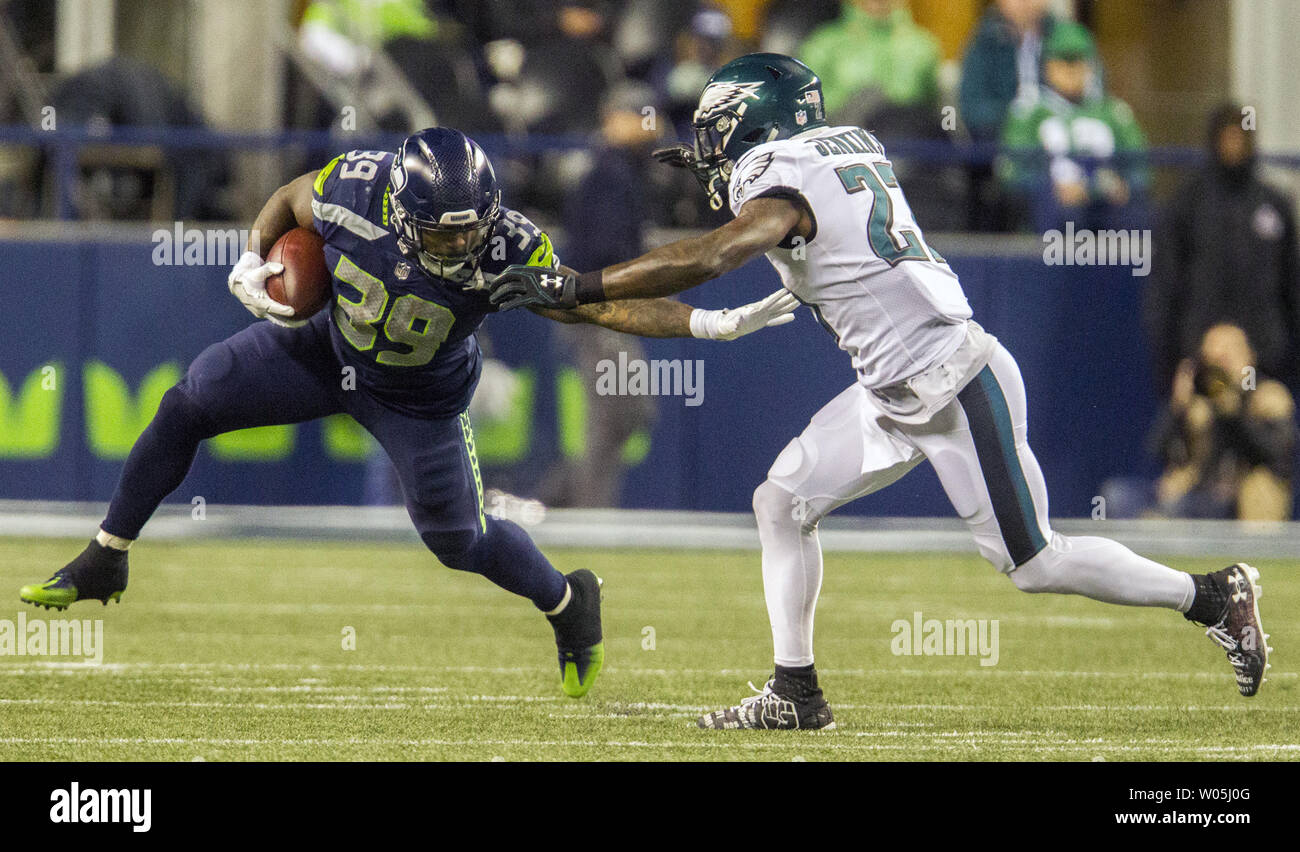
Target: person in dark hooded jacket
(1225, 252)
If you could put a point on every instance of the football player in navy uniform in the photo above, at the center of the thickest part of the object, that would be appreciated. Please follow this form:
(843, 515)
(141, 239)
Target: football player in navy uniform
(413, 240)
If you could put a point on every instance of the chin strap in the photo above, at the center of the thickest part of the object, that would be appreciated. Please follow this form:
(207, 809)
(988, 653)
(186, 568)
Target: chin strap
(434, 266)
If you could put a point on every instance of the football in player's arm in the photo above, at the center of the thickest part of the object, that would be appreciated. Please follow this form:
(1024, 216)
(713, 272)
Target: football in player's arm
(406, 237)
(291, 206)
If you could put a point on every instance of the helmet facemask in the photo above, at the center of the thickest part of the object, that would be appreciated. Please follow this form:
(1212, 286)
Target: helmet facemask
(713, 136)
(449, 247)
(711, 166)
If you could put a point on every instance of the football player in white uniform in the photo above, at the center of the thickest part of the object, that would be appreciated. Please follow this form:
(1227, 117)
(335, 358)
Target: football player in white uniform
(824, 204)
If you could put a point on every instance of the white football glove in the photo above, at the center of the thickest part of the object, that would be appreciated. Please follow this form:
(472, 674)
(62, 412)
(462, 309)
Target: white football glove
(730, 323)
(247, 283)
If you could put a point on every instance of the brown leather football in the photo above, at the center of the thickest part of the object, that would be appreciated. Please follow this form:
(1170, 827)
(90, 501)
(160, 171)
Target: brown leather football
(305, 283)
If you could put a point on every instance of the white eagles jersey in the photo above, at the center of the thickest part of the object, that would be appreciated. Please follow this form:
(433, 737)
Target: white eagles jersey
(890, 300)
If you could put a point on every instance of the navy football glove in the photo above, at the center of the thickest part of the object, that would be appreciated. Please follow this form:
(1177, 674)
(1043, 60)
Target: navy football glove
(534, 286)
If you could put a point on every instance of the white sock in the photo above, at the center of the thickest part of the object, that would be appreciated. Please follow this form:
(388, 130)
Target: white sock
(792, 577)
(564, 601)
(1104, 570)
(114, 541)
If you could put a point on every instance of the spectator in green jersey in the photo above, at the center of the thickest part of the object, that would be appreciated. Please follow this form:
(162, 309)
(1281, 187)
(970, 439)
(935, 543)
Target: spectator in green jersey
(1070, 155)
(875, 58)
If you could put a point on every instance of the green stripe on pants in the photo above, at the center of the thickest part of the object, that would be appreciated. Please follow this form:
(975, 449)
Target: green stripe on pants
(468, 432)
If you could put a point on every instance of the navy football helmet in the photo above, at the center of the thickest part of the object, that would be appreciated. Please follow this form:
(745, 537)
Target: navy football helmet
(443, 201)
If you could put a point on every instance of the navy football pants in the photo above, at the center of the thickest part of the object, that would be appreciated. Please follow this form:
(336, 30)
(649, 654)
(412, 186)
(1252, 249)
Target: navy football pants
(268, 375)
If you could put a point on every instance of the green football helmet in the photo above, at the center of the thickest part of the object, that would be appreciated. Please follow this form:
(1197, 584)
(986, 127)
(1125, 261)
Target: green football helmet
(755, 99)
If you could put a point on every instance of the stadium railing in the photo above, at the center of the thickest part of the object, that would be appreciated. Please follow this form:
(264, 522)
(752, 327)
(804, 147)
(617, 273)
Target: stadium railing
(63, 145)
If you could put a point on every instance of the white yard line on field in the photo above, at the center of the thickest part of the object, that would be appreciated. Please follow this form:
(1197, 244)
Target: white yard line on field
(614, 710)
(974, 671)
(810, 740)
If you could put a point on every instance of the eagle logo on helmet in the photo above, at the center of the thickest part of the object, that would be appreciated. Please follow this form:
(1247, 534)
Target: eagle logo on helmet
(724, 95)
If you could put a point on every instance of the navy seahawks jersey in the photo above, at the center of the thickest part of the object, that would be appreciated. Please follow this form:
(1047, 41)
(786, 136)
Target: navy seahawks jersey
(408, 334)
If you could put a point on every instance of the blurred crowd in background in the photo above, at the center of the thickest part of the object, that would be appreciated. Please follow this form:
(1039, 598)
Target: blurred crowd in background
(1017, 132)
(1019, 127)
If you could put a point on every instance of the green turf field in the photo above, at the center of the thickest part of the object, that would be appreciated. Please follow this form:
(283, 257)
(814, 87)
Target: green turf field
(233, 651)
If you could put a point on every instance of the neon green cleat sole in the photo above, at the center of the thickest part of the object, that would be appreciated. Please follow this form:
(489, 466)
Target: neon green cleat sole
(577, 684)
(97, 574)
(578, 636)
(55, 593)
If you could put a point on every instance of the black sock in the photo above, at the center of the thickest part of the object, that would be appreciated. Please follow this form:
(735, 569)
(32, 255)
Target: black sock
(98, 554)
(570, 612)
(1209, 602)
(796, 682)
(572, 624)
(98, 571)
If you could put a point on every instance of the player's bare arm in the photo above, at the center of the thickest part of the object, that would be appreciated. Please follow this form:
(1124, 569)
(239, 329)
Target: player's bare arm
(288, 207)
(645, 317)
(763, 224)
(661, 317)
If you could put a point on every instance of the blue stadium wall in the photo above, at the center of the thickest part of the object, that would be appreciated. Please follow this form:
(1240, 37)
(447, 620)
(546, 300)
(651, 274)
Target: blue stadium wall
(114, 327)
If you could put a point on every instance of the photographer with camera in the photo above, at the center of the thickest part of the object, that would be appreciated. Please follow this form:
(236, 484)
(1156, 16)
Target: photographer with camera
(1227, 439)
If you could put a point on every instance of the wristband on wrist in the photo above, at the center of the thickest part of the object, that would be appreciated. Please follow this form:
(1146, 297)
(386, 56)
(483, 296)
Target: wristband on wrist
(699, 324)
(590, 287)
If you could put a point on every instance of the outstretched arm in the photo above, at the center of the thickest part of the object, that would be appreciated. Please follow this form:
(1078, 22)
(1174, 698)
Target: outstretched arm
(667, 318)
(763, 224)
(643, 317)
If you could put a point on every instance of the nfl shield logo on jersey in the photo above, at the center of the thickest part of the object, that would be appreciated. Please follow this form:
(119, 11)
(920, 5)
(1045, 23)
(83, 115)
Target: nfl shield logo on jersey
(402, 270)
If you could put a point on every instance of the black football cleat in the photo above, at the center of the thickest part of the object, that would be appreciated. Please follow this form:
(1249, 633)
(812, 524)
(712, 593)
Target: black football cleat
(98, 573)
(578, 636)
(1239, 631)
(769, 710)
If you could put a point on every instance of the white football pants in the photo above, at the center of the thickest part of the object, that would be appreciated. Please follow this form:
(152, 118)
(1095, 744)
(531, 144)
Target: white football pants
(979, 449)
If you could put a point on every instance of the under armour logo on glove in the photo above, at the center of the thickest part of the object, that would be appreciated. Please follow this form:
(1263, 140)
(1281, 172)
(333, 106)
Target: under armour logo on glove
(553, 284)
(534, 286)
